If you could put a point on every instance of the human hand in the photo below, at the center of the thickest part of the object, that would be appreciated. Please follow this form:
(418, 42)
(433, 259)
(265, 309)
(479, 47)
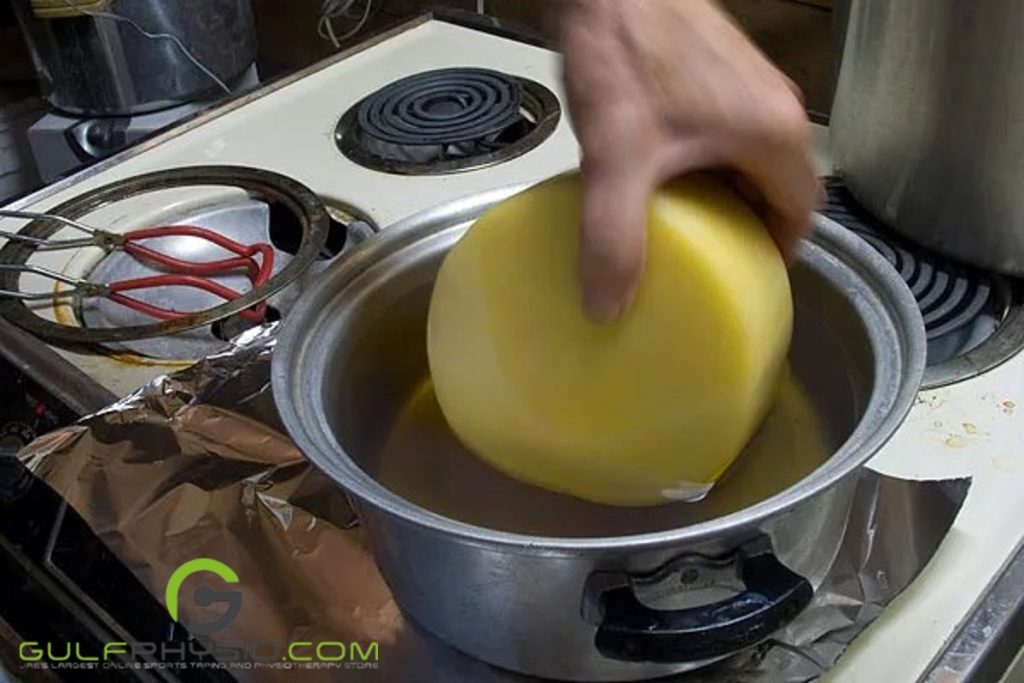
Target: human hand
(661, 88)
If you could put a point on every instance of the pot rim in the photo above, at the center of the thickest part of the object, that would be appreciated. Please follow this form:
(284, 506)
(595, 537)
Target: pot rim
(881, 294)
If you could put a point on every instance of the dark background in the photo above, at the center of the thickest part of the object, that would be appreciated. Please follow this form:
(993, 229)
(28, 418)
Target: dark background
(797, 34)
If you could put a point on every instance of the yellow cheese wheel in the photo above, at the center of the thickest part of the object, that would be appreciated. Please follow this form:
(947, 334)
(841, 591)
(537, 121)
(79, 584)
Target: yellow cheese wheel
(650, 409)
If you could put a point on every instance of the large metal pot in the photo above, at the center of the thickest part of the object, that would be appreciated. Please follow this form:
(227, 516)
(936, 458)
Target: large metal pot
(353, 349)
(927, 124)
(98, 66)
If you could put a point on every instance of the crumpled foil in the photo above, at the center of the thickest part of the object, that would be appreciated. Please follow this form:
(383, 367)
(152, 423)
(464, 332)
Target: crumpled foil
(197, 464)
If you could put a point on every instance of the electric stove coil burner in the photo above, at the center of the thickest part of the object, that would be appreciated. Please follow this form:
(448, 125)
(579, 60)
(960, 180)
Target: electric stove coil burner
(448, 120)
(963, 308)
(442, 108)
(309, 216)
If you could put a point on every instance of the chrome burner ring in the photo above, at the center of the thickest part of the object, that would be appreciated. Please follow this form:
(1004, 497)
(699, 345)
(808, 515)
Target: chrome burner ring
(258, 183)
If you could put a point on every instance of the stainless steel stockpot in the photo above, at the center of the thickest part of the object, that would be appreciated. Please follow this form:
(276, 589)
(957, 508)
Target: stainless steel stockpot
(928, 123)
(353, 349)
(92, 65)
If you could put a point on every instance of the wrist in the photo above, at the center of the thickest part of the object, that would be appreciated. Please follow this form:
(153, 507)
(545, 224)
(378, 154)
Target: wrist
(560, 11)
(563, 15)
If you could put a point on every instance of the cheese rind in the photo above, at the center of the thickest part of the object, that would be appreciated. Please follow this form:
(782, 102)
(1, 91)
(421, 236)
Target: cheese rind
(621, 414)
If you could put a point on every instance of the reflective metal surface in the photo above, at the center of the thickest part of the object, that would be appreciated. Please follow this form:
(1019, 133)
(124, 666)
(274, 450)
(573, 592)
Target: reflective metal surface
(309, 212)
(212, 114)
(992, 636)
(926, 126)
(234, 489)
(974, 320)
(92, 65)
(352, 349)
(56, 367)
(1004, 343)
(246, 222)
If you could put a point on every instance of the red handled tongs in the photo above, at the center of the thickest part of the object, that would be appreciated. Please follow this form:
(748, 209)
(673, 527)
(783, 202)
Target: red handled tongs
(180, 273)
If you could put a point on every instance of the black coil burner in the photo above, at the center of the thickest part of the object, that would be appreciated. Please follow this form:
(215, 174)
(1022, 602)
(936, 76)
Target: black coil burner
(446, 121)
(962, 307)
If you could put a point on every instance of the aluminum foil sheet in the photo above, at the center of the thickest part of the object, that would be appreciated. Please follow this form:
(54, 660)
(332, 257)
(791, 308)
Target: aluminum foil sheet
(196, 464)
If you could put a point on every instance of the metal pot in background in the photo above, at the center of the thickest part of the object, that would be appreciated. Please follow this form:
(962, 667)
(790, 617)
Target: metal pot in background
(928, 123)
(353, 350)
(91, 65)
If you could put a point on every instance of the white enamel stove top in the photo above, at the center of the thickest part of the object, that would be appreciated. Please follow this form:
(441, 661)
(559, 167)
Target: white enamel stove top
(970, 429)
(291, 130)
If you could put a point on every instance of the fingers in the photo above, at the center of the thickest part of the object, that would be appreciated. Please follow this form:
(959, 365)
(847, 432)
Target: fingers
(613, 237)
(791, 202)
(615, 134)
(788, 217)
(786, 231)
(780, 168)
(797, 91)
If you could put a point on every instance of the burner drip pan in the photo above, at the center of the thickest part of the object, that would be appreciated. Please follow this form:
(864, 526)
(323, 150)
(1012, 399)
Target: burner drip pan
(974, 320)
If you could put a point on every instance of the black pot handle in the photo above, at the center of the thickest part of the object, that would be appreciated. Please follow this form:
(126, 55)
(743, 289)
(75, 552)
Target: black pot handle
(631, 631)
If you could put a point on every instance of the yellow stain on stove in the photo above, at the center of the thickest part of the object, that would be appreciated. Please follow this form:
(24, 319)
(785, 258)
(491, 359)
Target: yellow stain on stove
(1007, 462)
(65, 315)
(930, 400)
(62, 312)
(1008, 407)
(965, 439)
(957, 441)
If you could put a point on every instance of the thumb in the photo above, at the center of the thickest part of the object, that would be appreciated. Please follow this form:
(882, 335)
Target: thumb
(613, 236)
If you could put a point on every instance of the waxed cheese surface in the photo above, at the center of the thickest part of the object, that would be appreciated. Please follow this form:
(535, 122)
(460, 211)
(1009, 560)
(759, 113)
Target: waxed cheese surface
(650, 409)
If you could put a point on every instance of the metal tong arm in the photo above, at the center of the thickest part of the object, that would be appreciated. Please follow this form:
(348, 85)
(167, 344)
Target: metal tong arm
(79, 287)
(96, 237)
